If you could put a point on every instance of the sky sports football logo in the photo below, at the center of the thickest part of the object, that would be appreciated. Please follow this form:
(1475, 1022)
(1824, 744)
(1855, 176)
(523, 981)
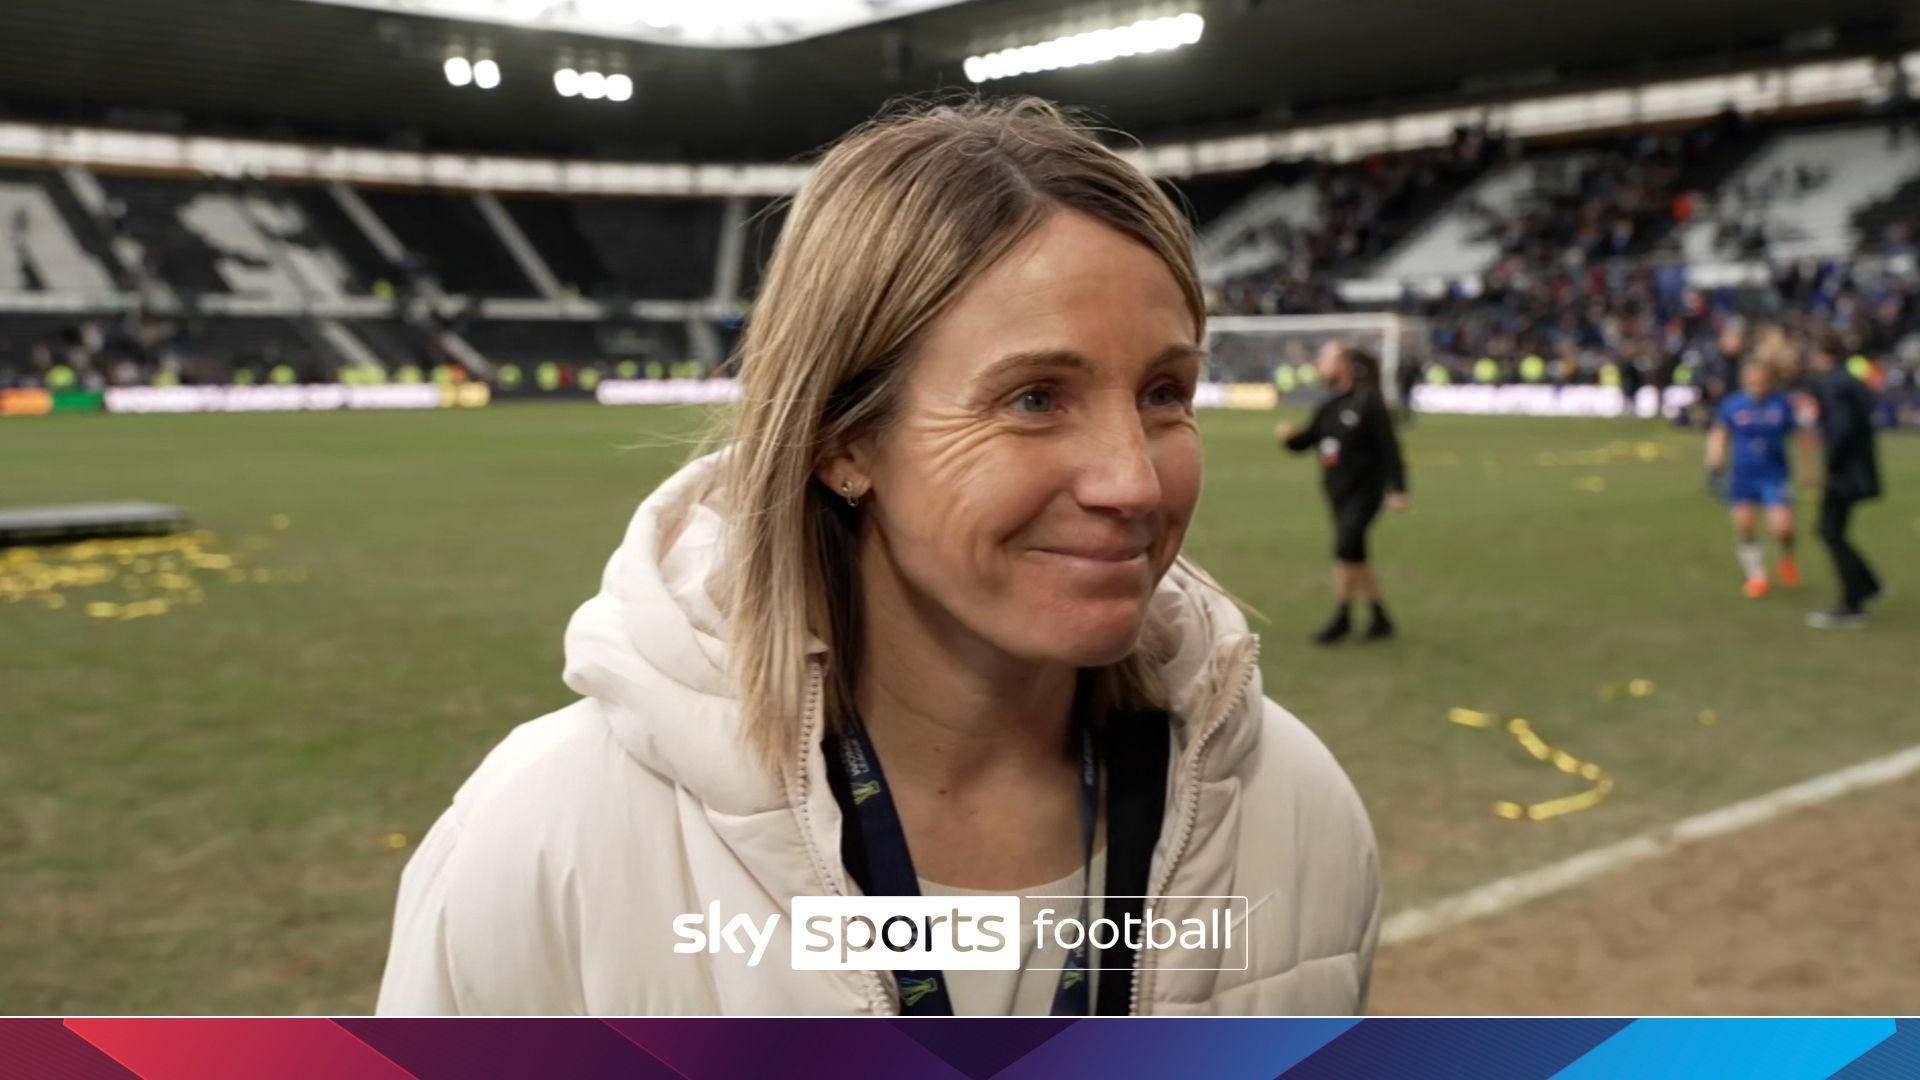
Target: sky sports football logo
(964, 933)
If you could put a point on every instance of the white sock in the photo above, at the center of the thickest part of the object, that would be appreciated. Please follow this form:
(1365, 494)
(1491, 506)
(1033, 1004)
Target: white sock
(1751, 560)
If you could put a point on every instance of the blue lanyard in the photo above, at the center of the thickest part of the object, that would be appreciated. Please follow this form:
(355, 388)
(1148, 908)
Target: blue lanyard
(890, 865)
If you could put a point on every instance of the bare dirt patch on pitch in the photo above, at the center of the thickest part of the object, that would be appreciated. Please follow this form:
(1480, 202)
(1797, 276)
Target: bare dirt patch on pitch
(1813, 913)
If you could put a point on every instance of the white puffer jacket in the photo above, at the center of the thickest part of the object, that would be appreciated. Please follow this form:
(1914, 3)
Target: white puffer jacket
(552, 882)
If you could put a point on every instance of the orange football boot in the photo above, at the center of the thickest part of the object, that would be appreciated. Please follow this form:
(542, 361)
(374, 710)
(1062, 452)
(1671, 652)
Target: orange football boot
(1789, 571)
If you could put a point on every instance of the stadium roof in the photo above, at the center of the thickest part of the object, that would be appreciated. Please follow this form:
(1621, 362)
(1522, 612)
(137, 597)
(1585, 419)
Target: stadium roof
(700, 23)
(323, 71)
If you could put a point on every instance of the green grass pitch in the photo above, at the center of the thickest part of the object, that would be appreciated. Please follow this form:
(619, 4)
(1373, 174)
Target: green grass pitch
(195, 809)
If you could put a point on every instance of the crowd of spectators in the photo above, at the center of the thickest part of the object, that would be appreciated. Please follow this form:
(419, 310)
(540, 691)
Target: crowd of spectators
(1653, 328)
(1585, 279)
(1364, 208)
(96, 352)
(1585, 207)
(1579, 282)
(1580, 208)
(1738, 217)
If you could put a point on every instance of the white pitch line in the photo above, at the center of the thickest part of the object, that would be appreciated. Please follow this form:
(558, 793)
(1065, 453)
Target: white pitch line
(1510, 892)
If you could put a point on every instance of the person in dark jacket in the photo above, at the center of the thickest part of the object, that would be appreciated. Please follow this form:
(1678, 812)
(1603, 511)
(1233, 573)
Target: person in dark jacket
(1852, 477)
(1364, 471)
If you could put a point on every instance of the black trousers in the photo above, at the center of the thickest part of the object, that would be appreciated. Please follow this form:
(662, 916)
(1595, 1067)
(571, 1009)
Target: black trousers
(1857, 580)
(1353, 514)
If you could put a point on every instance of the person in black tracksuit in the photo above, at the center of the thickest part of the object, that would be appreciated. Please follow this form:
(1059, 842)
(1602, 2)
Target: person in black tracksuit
(1363, 472)
(1853, 477)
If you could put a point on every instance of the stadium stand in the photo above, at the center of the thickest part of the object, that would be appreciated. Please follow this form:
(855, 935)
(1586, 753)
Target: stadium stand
(329, 222)
(47, 248)
(30, 344)
(450, 242)
(1801, 194)
(398, 344)
(658, 249)
(1594, 262)
(560, 341)
(1282, 245)
(264, 246)
(1590, 203)
(1625, 257)
(1887, 226)
(147, 210)
(576, 342)
(554, 227)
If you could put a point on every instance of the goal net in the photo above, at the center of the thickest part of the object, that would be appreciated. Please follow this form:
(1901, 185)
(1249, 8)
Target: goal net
(1278, 350)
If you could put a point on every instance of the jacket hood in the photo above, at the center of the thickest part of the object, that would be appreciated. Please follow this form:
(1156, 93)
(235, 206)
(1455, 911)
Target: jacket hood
(651, 650)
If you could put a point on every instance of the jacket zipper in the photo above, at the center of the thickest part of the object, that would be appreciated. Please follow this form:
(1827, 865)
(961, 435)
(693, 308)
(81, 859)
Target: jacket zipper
(1190, 810)
(877, 994)
(1190, 807)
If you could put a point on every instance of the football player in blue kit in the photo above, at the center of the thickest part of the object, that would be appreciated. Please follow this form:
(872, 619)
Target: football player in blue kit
(1749, 439)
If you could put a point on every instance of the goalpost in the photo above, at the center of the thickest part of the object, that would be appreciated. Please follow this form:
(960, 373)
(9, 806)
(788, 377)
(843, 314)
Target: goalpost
(1278, 350)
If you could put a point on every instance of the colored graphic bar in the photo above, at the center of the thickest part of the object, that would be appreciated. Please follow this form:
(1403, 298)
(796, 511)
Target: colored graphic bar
(105, 1048)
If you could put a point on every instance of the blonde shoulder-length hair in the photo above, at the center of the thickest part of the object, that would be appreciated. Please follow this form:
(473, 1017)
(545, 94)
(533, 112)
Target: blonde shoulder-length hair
(890, 227)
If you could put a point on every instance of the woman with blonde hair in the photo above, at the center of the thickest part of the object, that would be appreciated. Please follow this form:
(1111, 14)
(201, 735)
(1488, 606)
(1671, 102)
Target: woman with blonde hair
(920, 627)
(1748, 443)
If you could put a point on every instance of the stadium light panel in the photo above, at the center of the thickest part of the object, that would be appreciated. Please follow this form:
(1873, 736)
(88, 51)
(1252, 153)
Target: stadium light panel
(711, 24)
(619, 87)
(1091, 47)
(566, 82)
(458, 71)
(486, 74)
(593, 85)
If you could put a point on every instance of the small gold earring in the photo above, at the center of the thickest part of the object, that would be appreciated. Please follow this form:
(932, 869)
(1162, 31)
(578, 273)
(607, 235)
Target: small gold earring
(846, 492)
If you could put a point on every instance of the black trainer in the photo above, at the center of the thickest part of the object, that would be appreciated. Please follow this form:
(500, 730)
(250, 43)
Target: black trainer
(1340, 627)
(1841, 619)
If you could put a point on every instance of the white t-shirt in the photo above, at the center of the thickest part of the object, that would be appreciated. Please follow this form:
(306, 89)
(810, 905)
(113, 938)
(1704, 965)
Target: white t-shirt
(1028, 991)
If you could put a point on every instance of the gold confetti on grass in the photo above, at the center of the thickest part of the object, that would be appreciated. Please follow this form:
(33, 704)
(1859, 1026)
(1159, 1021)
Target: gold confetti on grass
(1613, 453)
(1537, 747)
(150, 576)
(1469, 717)
(1639, 688)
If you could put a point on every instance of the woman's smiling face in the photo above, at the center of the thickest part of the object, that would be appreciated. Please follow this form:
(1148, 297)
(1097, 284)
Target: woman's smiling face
(1039, 472)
